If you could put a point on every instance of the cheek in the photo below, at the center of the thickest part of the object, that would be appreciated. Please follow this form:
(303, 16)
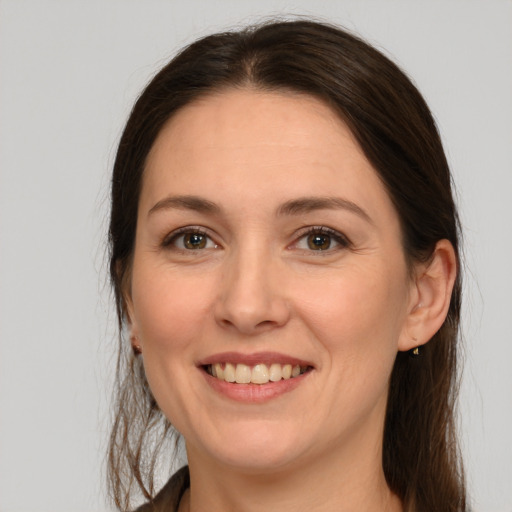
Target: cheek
(169, 309)
(170, 313)
(356, 319)
(357, 314)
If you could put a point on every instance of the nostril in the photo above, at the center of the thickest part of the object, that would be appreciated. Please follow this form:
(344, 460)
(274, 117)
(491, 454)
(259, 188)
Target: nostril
(266, 323)
(226, 323)
(250, 308)
(248, 326)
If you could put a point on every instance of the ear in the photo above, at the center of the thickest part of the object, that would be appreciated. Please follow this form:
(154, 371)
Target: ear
(131, 323)
(430, 298)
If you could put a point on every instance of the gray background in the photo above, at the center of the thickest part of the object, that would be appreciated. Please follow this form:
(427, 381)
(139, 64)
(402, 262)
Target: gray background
(69, 73)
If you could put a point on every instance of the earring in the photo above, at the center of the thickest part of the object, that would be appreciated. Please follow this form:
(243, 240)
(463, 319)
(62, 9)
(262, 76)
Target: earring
(137, 349)
(415, 352)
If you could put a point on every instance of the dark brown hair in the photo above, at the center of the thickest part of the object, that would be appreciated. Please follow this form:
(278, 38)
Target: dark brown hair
(398, 135)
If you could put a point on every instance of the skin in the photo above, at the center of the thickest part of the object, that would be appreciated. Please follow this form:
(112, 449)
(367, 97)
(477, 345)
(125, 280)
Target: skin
(258, 286)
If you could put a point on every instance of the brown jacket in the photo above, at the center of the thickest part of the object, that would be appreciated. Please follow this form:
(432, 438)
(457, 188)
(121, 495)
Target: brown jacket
(168, 499)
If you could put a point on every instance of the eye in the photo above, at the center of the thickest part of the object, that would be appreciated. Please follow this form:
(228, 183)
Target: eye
(189, 239)
(321, 239)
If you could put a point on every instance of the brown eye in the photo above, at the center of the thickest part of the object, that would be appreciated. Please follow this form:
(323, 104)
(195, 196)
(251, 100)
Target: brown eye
(319, 241)
(194, 241)
(189, 239)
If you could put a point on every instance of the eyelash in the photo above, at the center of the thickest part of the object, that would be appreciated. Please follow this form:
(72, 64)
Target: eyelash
(170, 239)
(338, 237)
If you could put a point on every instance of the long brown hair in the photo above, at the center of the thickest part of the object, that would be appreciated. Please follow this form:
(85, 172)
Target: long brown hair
(398, 135)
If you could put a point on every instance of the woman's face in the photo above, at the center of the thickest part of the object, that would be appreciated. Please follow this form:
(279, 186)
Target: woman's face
(267, 245)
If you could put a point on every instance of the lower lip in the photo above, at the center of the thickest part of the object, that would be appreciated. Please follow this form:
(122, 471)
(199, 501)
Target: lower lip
(254, 393)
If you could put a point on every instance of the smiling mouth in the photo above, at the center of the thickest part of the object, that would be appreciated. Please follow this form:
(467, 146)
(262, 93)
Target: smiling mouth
(257, 374)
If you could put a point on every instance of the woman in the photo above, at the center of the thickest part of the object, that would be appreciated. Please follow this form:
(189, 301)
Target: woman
(285, 259)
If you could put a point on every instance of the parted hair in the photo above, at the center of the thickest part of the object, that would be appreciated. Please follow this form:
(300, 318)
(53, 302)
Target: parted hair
(396, 131)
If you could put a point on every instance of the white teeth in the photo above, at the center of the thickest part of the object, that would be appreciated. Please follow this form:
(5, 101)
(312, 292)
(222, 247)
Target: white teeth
(229, 373)
(242, 374)
(218, 371)
(258, 374)
(275, 372)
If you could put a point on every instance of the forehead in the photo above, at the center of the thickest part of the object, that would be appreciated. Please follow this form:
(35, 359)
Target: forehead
(243, 117)
(246, 143)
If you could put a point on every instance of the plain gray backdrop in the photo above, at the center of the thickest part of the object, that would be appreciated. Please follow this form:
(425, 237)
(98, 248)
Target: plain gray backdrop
(69, 74)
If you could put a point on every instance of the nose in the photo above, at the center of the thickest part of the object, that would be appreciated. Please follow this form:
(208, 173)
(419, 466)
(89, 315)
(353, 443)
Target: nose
(251, 297)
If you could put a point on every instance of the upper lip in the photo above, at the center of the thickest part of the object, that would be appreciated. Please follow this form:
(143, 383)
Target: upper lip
(253, 359)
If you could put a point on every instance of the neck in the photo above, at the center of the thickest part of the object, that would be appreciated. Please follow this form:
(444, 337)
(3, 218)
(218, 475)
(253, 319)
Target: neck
(322, 486)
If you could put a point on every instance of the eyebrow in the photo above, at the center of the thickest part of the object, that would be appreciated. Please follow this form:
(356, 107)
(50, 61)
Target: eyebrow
(195, 203)
(309, 204)
(298, 206)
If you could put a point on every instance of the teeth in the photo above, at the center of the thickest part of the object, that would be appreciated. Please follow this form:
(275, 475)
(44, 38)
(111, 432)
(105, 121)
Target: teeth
(275, 372)
(287, 371)
(242, 374)
(229, 373)
(258, 374)
(218, 371)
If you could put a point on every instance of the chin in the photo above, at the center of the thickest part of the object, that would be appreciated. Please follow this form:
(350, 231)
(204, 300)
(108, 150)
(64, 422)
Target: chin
(255, 460)
(256, 448)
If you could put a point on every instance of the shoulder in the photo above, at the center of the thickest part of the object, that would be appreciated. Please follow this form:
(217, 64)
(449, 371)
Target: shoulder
(170, 495)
